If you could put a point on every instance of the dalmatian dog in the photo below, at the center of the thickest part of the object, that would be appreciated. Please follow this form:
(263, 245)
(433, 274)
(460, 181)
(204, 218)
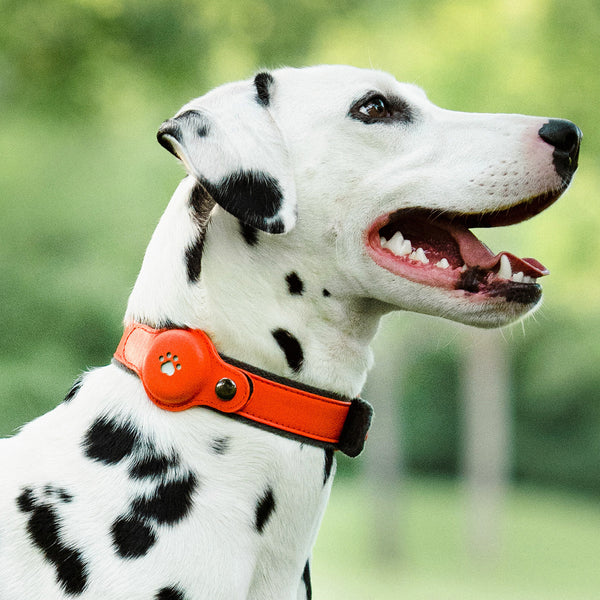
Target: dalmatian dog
(315, 201)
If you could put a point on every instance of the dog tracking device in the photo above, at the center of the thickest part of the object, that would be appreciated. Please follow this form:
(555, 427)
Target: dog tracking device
(181, 369)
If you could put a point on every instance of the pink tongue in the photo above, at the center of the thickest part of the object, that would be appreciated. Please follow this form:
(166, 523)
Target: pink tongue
(477, 254)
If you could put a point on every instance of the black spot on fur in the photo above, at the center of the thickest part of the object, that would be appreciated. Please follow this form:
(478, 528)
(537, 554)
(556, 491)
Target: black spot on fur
(26, 500)
(295, 284)
(249, 233)
(109, 441)
(65, 496)
(263, 82)
(327, 465)
(307, 582)
(169, 593)
(132, 536)
(58, 493)
(264, 509)
(201, 205)
(252, 196)
(291, 348)
(326, 293)
(221, 445)
(152, 465)
(193, 259)
(169, 503)
(43, 528)
(73, 391)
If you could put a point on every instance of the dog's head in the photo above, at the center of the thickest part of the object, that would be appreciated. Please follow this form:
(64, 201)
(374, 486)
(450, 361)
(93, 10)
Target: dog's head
(365, 173)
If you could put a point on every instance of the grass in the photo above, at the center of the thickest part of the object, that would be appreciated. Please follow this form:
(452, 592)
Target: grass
(548, 550)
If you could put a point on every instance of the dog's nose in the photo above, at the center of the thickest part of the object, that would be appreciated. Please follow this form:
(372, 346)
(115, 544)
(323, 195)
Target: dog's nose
(566, 139)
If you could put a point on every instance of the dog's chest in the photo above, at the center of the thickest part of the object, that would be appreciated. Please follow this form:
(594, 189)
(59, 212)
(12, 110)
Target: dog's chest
(145, 501)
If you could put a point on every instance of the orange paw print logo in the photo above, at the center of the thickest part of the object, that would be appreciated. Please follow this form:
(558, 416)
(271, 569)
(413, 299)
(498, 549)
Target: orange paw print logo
(169, 364)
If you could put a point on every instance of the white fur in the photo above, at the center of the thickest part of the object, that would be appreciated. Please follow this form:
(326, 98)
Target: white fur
(338, 175)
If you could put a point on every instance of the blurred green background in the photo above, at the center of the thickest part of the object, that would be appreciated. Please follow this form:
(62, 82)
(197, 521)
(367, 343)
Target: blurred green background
(84, 85)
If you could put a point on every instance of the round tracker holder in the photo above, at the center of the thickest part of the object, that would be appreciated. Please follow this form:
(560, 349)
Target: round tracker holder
(180, 369)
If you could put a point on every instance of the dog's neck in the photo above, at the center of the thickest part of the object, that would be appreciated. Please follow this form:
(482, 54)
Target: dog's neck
(272, 301)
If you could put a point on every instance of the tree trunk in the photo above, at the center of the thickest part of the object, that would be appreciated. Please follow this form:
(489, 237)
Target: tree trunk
(485, 382)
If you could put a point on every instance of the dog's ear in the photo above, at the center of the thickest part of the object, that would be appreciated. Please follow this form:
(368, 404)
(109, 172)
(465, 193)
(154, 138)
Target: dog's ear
(230, 143)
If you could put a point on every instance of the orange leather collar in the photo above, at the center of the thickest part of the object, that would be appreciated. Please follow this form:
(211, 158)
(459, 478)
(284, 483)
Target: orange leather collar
(180, 368)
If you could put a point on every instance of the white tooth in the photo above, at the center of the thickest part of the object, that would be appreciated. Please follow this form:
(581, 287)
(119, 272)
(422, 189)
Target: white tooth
(395, 243)
(505, 271)
(518, 277)
(421, 256)
(442, 264)
(406, 248)
(527, 279)
(382, 242)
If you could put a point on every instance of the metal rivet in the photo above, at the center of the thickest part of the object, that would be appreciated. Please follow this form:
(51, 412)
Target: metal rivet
(225, 388)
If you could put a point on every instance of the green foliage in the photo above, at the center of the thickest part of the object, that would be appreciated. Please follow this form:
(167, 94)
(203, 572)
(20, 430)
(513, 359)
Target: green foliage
(557, 412)
(72, 57)
(548, 549)
(554, 400)
(431, 411)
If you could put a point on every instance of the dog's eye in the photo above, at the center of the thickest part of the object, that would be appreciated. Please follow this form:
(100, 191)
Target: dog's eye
(375, 108)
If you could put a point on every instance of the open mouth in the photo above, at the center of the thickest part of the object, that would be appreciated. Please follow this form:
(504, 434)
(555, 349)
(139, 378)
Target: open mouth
(437, 249)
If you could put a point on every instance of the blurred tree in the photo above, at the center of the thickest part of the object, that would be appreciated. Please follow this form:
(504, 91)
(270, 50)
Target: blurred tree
(69, 57)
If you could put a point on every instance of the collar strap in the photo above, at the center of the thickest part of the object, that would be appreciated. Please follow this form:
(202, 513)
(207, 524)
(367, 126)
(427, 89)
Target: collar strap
(180, 368)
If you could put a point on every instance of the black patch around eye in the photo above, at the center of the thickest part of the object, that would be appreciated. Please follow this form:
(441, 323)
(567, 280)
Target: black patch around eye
(253, 197)
(169, 593)
(43, 528)
(295, 284)
(263, 82)
(73, 391)
(132, 536)
(400, 111)
(291, 348)
(326, 293)
(169, 503)
(109, 441)
(264, 509)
